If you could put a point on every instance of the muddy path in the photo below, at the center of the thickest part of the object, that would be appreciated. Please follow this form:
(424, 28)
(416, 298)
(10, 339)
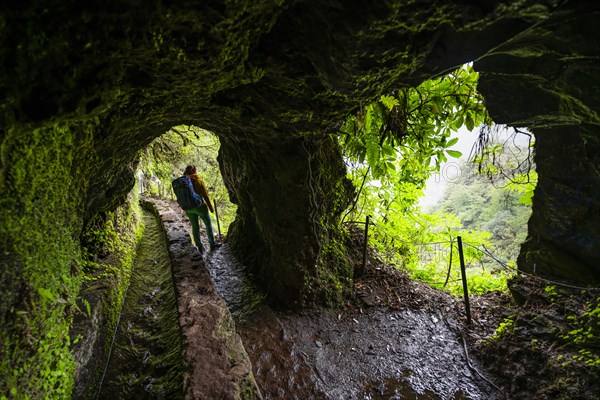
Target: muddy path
(370, 350)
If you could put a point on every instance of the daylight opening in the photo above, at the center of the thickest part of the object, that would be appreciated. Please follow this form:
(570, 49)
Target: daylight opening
(166, 158)
(430, 165)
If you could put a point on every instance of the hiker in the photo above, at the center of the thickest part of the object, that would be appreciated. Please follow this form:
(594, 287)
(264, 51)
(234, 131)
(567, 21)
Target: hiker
(202, 211)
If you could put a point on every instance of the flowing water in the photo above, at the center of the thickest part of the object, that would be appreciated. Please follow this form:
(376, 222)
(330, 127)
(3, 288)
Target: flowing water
(145, 360)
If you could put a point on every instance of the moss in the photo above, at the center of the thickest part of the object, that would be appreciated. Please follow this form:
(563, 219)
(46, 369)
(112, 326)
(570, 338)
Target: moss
(332, 283)
(248, 388)
(115, 237)
(39, 215)
(43, 191)
(236, 355)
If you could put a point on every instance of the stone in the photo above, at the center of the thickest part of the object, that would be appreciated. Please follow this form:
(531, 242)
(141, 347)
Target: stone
(84, 86)
(216, 365)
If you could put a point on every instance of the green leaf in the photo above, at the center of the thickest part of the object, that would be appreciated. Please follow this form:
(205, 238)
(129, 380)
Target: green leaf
(454, 153)
(470, 124)
(361, 155)
(372, 153)
(458, 122)
(452, 142)
(438, 104)
(45, 293)
(388, 150)
(389, 101)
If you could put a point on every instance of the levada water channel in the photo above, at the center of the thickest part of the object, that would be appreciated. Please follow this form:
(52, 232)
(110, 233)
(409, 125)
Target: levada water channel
(373, 354)
(145, 359)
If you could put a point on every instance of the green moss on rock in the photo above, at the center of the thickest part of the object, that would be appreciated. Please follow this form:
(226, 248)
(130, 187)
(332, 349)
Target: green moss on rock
(110, 243)
(42, 197)
(40, 200)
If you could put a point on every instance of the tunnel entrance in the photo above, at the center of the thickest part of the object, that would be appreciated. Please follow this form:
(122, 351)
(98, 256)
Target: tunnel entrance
(479, 177)
(166, 158)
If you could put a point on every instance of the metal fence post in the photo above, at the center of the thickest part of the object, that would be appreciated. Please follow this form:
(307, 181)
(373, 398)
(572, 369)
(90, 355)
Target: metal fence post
(464, 279)
(364, 264)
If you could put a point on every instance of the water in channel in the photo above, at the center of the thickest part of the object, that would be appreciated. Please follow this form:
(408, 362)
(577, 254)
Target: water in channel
(145, 361)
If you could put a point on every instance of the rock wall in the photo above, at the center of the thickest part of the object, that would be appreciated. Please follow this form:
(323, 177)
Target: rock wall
(546, 79)
(85, 85)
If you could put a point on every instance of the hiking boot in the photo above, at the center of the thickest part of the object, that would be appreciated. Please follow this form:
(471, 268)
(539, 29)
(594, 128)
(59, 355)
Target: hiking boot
(215, 245)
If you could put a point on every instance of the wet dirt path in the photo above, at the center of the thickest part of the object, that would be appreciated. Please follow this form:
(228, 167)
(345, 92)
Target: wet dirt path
(360, 353)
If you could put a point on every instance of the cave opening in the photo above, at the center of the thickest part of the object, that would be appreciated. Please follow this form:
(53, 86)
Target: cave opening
(166, 158)
(84, 86)
(430, 165)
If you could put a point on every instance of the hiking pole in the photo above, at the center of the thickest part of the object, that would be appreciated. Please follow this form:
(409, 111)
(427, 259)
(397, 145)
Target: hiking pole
(218, 224)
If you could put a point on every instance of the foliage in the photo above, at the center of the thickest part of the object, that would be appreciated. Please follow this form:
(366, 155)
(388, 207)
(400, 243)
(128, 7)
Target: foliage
(391, 148)
(505, 327)
(586, 333)
(401, 136)
(524, 184)
(167, 156)
(428, 251)
(501, 155)
(485, 207)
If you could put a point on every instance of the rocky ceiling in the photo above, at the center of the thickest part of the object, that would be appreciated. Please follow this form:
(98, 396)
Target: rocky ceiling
(273, 78)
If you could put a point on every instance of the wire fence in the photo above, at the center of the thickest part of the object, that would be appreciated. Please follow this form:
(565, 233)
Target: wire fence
(500, 264)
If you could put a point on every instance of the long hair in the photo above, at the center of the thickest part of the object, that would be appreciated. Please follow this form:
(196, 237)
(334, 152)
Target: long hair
(190, 169)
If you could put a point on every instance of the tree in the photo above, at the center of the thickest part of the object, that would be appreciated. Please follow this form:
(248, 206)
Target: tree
(391, 147)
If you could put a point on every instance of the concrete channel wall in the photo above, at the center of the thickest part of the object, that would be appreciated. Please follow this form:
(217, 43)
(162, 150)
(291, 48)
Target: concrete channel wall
(216, 365)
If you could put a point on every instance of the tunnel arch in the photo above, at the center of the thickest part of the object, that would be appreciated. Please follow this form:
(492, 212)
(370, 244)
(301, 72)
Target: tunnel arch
(86, 86)
(276, 90)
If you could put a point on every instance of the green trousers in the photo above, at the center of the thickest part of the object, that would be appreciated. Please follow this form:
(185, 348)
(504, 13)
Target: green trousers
(193, 215)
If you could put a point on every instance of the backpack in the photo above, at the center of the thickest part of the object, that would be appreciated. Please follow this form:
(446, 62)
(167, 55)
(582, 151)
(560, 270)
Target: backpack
(186, 195)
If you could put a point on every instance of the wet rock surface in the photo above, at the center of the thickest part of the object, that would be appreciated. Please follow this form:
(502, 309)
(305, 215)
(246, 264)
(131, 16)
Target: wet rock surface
(216, 365)
(541, 352)
(401, 339)
(361, 352)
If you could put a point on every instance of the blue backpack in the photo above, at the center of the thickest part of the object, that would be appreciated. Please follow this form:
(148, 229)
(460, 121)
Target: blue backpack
(185, 193)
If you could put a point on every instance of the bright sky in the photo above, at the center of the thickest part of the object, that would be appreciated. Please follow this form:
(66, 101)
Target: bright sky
(450, 170)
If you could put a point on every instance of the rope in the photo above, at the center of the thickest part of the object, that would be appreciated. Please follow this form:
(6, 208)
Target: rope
(408, 241)
(472, 368)
(504, 265)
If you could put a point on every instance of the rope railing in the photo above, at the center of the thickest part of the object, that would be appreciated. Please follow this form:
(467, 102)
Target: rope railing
(407, 241)
(505, 267)
(484, 250)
